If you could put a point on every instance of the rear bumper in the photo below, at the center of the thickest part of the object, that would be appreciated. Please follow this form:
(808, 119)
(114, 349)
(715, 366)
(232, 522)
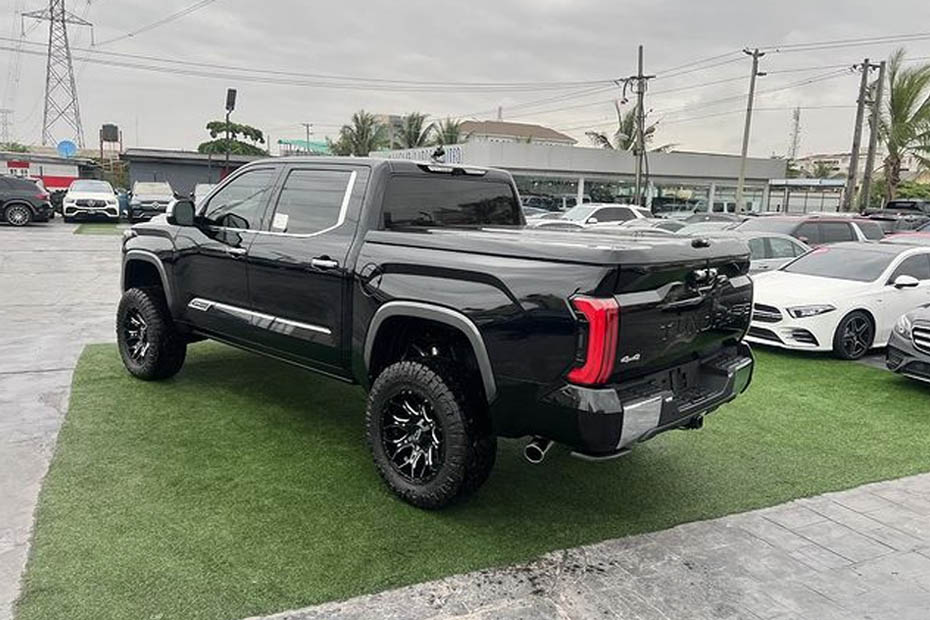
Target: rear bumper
(604, 421)
(905, 359)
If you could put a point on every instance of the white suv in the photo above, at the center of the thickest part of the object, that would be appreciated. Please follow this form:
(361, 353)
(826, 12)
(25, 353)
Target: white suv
(88, 198)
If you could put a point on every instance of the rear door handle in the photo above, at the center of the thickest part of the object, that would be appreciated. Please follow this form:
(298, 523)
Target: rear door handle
(234, 251)
(324, 262)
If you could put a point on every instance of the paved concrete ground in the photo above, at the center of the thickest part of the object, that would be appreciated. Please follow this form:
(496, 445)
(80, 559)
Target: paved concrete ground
(853, 555)
(58, 291)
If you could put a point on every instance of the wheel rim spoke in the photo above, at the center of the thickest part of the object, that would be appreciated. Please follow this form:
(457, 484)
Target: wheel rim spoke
(411, 437)
(135, 332)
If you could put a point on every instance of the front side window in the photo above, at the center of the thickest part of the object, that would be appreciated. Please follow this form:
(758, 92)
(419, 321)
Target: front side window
(809, 233)
(834, 232)
(240, 203)
(613, 214)
(915, 266)
(310, 201)
(449, 201)
(757, 249)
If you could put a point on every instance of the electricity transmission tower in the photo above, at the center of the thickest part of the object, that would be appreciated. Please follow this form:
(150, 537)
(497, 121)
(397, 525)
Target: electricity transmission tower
(6, 124)
(61, 102)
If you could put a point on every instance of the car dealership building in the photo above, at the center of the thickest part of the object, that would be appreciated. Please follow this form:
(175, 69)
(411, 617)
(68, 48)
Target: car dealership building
(675, 179)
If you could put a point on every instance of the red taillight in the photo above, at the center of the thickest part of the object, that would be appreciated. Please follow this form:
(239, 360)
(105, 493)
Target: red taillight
(603, 317)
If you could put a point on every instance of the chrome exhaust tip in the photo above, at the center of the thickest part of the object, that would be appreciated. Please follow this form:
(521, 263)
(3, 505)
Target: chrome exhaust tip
(535, 451)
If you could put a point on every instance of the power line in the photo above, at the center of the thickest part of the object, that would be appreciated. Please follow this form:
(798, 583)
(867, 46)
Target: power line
(161, 22)
(840, 43)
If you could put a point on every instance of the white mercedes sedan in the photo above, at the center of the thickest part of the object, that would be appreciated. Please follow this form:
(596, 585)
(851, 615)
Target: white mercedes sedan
(844, 298)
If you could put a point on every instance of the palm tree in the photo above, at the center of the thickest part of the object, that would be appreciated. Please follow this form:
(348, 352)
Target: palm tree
(413, 131)
(624, 139)
(364, 135)
(448, 131)
(905, 123)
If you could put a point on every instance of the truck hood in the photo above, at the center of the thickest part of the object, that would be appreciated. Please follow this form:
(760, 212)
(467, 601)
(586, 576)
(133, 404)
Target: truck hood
(593, 248)
(779, 288)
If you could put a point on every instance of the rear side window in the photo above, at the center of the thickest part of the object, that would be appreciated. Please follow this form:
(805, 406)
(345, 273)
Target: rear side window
(872, 230)
(311, 201)
(613, 214)
(782, 248)
(834, 232)
(903, 205)
(448, 201)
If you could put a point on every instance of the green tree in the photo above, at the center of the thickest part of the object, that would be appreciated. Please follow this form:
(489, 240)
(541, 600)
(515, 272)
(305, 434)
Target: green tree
(448, 131)
(822, 170)
(905, 121)
(218, 145)
(624, 138)
(360, 137)
(14, 147)
(413, 131)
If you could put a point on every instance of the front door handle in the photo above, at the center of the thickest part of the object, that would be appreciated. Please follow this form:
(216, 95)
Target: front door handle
(324, 263)
(234, 251)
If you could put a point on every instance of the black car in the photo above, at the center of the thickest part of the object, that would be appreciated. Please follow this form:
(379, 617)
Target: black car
(421, 283)
(908, 350)
(22, 202)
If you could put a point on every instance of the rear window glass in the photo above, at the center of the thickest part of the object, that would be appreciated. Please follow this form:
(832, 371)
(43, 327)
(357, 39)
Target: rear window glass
(449, 201)
(842, 263)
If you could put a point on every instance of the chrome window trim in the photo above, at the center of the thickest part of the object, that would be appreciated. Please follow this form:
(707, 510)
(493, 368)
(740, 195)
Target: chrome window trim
(204, 305)
(343, 210)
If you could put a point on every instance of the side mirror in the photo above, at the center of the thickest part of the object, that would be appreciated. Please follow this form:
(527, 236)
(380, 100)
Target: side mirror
(905, 281)
(181, 212)
(804, 240)
(592, 220)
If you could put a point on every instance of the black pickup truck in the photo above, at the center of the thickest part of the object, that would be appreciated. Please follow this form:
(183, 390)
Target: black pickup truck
(419, 282)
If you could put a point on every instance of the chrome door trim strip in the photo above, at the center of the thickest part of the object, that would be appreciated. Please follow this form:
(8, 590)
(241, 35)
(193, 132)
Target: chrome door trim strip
(205, 305)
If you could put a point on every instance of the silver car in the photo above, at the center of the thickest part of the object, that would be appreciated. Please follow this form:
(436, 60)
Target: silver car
(768, 251)
(908, 350)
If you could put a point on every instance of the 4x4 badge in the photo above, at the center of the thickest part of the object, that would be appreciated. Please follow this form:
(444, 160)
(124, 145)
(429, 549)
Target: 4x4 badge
(626, 359)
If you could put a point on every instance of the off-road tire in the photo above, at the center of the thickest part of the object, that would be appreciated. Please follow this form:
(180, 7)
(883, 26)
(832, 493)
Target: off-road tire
(840, 348)
(468, 449)
(18, 215)
(164, 356)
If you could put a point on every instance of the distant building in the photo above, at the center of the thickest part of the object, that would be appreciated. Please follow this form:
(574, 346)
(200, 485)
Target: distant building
(56, 172)
(290, 148)
(182, 169)
(567, 175)
(838, 164)
(505, 131)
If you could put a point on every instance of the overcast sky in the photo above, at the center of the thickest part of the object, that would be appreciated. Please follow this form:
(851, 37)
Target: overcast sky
(474, 41)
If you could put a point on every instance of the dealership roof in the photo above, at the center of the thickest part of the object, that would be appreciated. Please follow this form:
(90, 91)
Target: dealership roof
(138, 154)
(514, 130)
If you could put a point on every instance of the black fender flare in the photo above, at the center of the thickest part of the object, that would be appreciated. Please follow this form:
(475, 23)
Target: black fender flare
(440, 314)
(152, 258)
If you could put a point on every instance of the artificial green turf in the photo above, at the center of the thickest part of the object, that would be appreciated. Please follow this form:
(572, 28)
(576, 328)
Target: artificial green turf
(99, 228)
(243, 486)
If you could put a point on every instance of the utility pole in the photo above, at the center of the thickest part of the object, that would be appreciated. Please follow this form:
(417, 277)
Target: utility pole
(309, 128)
(864, 199)
(230, 106)
(756, 55)
(639, 143)
(849, 196)
(61, 101)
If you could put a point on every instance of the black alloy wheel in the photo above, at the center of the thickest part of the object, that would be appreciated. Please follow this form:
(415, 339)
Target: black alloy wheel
(135, 334)
(854, 336)
(411, 436)
(18, 215)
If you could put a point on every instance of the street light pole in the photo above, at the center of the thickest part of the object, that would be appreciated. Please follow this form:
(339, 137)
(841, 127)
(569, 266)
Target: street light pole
(309, 128)
(756, 55)
(230, 106)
